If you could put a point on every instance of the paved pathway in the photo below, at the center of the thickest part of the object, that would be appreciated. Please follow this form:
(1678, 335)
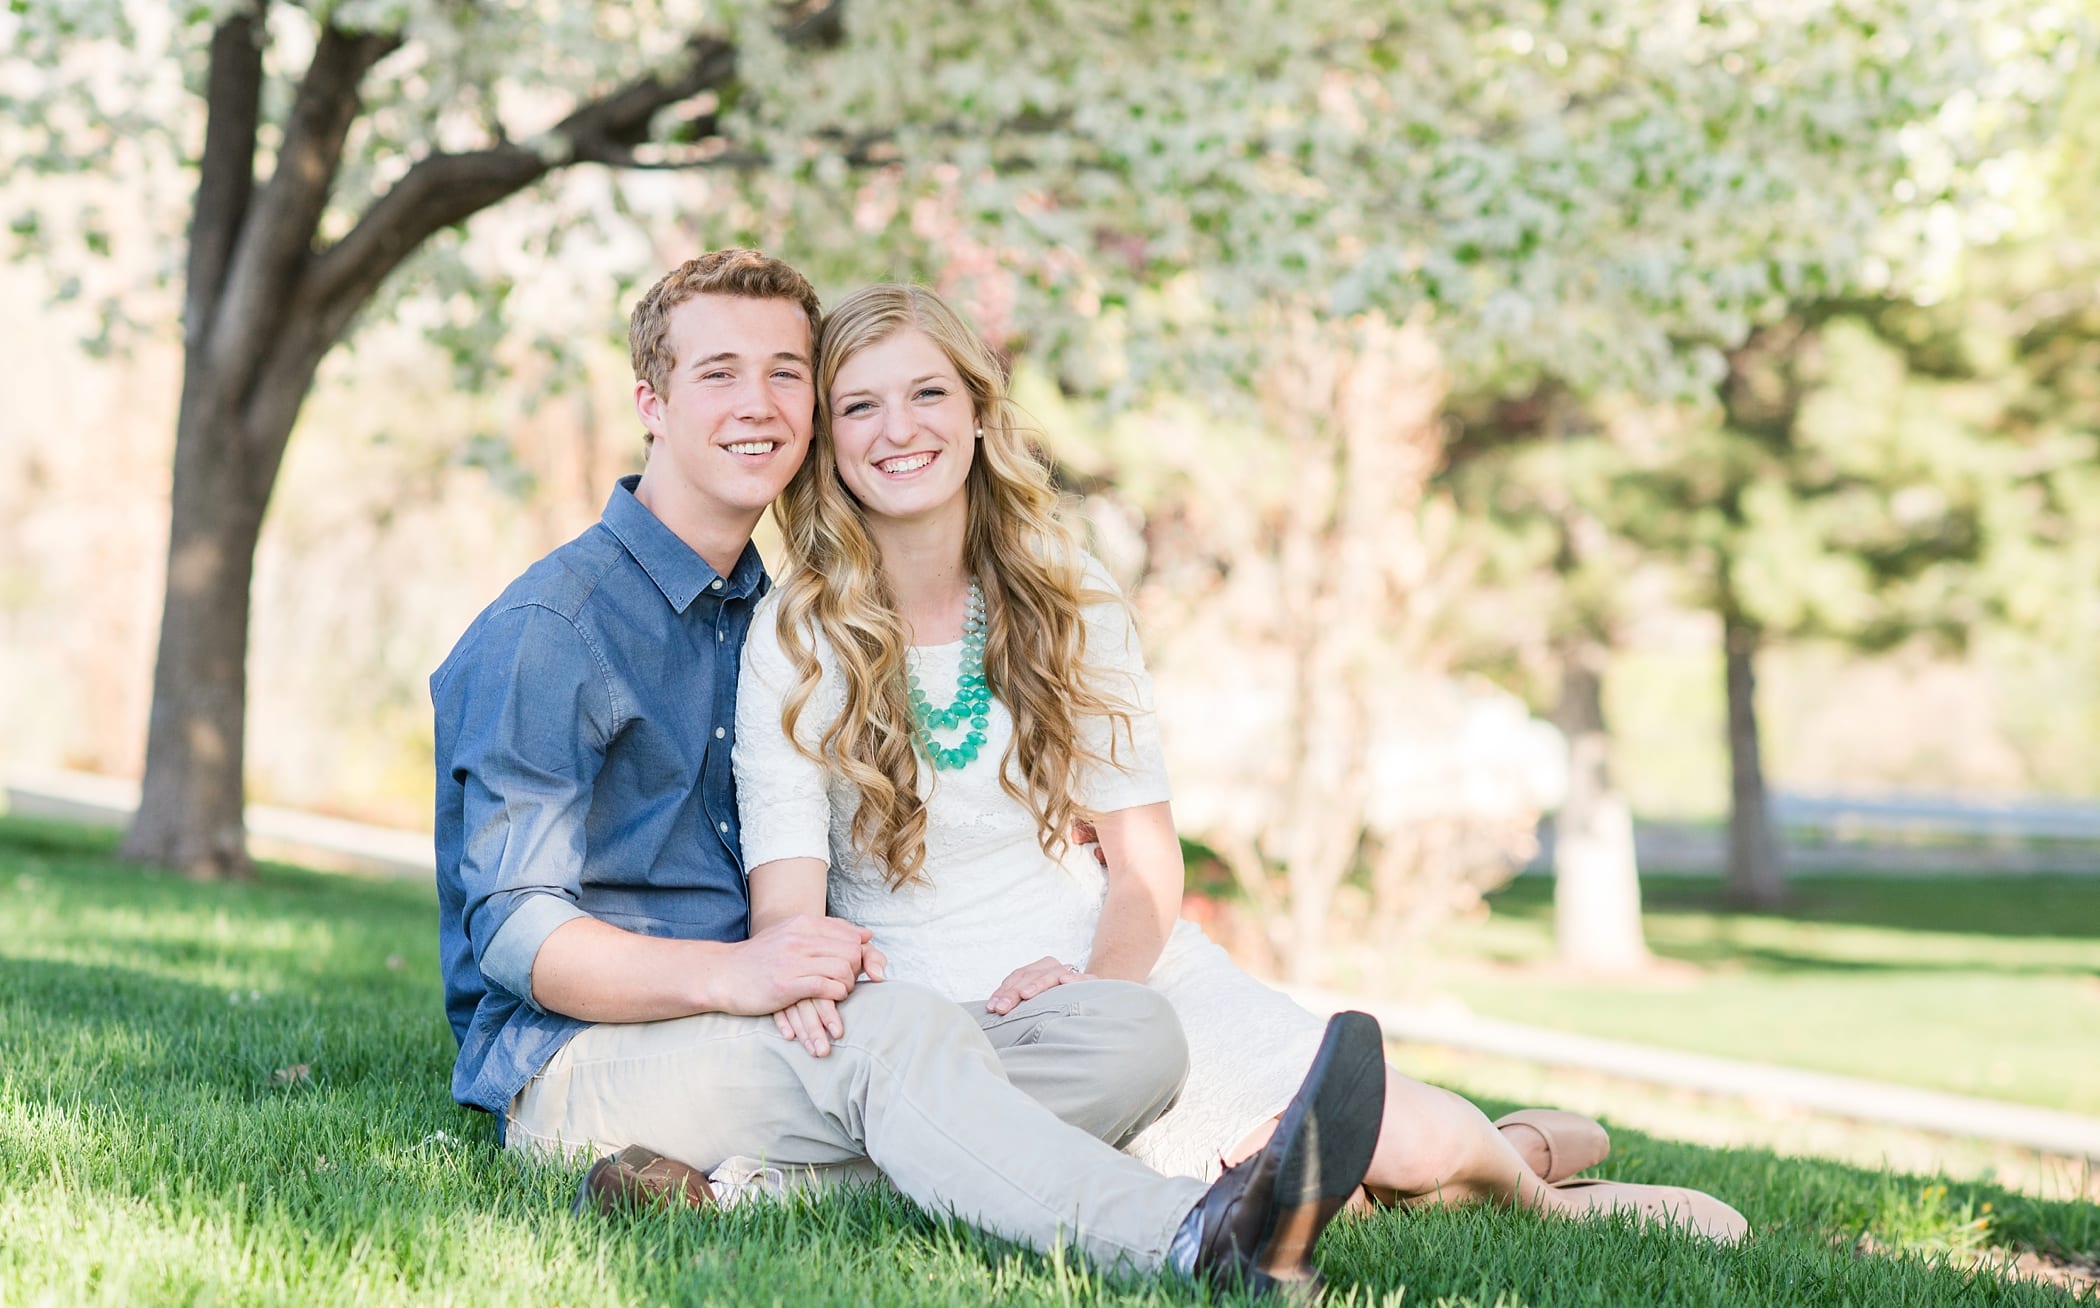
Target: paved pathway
(1914, 835)
(310, 838)
(2065, 1134)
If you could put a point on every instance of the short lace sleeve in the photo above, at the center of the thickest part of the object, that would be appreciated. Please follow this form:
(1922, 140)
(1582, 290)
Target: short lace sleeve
(1138, 775)
(781, 797)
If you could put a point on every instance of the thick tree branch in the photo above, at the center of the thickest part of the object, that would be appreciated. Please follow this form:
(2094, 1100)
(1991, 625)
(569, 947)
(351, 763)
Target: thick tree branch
(621, 120)
(226, 174)
(441, 190)
(278, 238)
(437, 192)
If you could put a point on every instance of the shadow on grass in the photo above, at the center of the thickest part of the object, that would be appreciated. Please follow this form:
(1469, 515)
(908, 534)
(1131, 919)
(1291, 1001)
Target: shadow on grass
(369, 1183)
(32, 846)
(150, 1152)
(175, 1172)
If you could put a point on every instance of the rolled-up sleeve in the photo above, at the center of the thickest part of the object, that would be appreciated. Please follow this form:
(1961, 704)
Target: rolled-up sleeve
(535, 711)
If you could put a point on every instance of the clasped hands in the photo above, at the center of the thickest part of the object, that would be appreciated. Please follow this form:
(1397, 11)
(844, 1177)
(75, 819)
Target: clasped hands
(810, 964)
(800, 968)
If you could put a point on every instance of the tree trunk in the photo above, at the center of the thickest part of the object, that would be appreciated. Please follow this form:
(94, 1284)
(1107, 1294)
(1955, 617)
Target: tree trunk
(264, 302)
(1312, 899)
(1362, 415)
(1756, 877)
(251, 345)
(1325, 741)
(190, 804)
(1596, 884)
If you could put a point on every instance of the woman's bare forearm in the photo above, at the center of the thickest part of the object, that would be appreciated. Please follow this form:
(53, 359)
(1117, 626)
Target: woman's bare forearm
(786, 888)
(1145, 876)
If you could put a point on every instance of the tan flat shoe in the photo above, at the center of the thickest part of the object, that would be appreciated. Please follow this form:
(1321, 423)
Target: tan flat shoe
(1556, 1143)
(1669, 1205)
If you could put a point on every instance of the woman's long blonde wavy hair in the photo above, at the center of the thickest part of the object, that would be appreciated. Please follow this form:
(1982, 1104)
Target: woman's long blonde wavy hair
(1026, 560)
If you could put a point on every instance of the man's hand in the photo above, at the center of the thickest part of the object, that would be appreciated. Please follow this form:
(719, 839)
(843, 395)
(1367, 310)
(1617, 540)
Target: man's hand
(1025, 983)
(799, 958)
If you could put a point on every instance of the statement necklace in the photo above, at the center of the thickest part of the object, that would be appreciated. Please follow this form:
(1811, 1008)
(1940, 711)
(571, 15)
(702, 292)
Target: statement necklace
(973, 699)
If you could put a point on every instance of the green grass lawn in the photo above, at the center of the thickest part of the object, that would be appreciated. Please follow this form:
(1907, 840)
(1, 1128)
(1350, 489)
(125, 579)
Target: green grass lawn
(237, 1095)
(1982, 986)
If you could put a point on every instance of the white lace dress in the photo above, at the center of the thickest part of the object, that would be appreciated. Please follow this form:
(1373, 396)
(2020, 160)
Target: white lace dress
(991, 900)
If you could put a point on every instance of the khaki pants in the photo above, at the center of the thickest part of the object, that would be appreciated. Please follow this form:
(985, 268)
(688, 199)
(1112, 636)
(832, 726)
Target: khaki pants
(948, 1107)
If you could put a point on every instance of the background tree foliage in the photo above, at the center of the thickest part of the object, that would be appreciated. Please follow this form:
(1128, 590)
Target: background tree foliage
(1876, 472)
(1135, 195)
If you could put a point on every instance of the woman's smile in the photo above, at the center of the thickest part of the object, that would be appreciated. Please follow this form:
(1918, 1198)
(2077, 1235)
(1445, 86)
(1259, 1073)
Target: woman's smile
(904, 430)
(904, 465)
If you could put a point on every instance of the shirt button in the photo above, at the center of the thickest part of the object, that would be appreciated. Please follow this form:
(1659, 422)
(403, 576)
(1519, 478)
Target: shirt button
(721, 732)
(720, 636)
(723, 827)
(716, 584)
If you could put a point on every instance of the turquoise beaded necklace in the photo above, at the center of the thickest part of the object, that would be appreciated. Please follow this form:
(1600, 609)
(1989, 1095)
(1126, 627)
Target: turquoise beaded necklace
(973, 698)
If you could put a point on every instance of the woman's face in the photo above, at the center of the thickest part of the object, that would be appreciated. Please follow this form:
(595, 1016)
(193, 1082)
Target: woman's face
(903, 428)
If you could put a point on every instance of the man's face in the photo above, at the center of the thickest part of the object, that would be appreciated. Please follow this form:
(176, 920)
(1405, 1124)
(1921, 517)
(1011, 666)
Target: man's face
(734, 420)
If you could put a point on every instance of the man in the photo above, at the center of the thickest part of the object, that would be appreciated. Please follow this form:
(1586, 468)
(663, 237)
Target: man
(599, 972)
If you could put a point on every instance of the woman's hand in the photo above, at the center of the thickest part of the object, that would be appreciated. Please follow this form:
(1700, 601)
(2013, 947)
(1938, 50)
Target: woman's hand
(1025, 983)
(814, 1022)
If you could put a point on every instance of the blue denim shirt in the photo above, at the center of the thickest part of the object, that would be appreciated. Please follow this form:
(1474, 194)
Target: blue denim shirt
(584, 728)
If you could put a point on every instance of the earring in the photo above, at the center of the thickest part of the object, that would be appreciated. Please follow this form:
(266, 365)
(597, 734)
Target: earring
(980, 433)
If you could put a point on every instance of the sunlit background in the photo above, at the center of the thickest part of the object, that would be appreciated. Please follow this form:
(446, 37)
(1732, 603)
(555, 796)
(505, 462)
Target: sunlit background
(1487, 407)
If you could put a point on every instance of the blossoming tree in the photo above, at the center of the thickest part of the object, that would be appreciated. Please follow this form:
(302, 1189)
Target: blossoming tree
(1615, 192)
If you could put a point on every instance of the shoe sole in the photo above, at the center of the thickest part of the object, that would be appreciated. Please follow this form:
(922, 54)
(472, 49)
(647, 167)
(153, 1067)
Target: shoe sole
(1329, 1132)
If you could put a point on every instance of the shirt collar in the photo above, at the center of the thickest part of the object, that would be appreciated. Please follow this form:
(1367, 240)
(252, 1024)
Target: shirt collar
(678, 571)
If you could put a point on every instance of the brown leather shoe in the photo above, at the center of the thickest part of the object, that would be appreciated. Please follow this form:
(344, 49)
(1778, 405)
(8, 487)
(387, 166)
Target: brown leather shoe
(1260, 1220)
(637, 1177)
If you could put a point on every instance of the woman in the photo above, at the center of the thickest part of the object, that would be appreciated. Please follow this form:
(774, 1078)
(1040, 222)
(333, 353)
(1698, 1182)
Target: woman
(941, 685)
